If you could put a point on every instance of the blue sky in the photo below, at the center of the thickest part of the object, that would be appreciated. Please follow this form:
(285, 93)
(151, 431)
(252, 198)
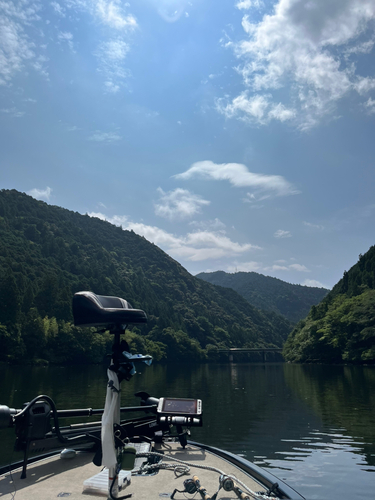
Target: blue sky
(235, 135)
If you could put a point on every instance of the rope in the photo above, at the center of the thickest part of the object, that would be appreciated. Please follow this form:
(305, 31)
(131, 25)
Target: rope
(186, 470)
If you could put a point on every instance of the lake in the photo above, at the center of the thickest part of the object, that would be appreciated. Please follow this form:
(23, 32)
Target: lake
(311, 425)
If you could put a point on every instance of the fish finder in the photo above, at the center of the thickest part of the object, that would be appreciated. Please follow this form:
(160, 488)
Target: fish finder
(179, 407)
(180, 412)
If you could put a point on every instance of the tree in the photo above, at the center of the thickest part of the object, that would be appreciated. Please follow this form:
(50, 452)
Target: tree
(10, 303)
(34, 335)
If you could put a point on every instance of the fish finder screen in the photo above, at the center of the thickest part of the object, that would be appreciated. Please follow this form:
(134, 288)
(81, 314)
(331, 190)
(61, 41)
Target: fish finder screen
(185, 406)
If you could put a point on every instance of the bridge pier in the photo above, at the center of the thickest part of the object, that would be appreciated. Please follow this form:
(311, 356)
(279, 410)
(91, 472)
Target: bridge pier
(263, 352)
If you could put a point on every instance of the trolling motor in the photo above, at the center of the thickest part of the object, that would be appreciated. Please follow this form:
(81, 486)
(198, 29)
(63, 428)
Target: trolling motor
(113, 314)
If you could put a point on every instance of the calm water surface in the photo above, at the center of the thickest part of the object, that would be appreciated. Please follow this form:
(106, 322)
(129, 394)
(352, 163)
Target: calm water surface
(313, 426)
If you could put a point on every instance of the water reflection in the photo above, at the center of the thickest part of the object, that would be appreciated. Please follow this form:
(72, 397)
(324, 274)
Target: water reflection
(313, 426)
(343, 397)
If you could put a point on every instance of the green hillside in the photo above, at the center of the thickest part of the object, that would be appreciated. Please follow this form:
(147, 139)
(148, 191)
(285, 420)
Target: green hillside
(270, 294)
(342, 327)
(48, 253)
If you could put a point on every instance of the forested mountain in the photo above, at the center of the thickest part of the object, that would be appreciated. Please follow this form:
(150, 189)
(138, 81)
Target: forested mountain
(342, 327)
(270, 294)
(48, 253)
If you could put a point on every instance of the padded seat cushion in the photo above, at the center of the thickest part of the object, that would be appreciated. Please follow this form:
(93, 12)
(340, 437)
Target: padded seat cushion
(90, 309)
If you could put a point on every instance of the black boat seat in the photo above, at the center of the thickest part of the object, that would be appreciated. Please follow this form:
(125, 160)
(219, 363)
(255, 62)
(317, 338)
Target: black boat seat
(90, 309)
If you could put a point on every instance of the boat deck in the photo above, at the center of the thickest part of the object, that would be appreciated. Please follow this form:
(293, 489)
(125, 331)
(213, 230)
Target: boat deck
(55, 478)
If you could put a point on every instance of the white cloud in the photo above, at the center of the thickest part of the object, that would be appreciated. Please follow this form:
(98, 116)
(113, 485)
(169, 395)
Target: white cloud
(111, 87)
(313, 226)
(248, 4)
(215, 225)
(117, 220)
(16, 49)
(179, 203)
(361, 48)
(245, 267)
(299, 268)
(112, 13)
(19, 22)
(280, 233)
(239, 176)
(290, 267)
(255, 109)
(58, 9)
(364, 85)
(194, 246)
(306, 49)
(105, 137)
(314, 283)
(276, 267)
(370, 105)
(65, 36)
(13, 112)
(41, 194)
(111, 55)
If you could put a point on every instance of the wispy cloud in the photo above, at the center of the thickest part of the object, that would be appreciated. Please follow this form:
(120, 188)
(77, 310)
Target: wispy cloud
(214, 225)
(20, 46)
(253, 266)
(370, 105)
(248, 4)
(280, 233)
(245, 267)
(298, 61)
(239, 176)
(314, 283)
(291, 267)
(13, 112)
(41, 194)
(113, 14)
(179, 204)
(72, 128)
(105, 137)
(299, 268)
(318, 227)
(58, 9)
(194, 246)
(254, 109)
(111, 55)
(66, 37)
(16, 48)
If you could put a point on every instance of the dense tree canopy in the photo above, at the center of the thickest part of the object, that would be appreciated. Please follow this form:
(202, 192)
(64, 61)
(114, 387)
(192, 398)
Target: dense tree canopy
(342, 327)
(270, 294)
(48, 253)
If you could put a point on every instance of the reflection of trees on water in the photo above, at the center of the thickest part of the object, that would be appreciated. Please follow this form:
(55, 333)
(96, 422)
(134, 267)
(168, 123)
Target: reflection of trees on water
(261, 410)
(342, 396)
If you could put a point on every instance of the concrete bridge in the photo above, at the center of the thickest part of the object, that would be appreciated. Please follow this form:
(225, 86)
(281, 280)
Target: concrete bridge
(262, 350)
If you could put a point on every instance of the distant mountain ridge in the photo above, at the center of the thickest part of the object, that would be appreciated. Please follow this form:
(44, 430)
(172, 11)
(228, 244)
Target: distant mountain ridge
(269, 294)
(48, 253)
